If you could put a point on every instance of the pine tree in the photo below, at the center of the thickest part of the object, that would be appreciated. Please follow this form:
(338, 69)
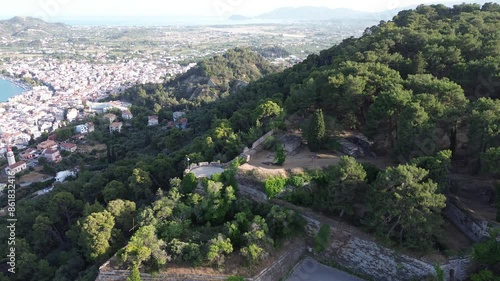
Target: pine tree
(316, 132)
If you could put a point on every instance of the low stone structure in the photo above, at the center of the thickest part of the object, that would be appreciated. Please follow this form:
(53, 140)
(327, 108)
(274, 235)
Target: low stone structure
(470, 224)
(262, 139)
(290, 142)
(274, 272)
(359, 252)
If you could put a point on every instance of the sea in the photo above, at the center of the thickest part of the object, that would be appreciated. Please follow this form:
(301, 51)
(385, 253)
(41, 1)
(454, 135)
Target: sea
(8, 90)
(160, 21)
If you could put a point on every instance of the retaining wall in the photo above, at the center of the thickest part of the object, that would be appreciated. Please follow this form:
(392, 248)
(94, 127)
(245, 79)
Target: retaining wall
(276, 271)
(473, 226)
(262, 139)
(359, 252)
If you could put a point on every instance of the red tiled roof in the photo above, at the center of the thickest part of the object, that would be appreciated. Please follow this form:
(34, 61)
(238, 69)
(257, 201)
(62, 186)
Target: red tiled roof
(18, 164)
(68, 145)
(51, 151)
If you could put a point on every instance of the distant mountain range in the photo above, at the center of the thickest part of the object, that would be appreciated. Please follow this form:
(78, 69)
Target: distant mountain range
(28, 27)
(323, 13)
(317, 13)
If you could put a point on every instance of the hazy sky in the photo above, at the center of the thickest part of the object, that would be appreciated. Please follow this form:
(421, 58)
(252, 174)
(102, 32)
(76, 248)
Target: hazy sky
(217, 8)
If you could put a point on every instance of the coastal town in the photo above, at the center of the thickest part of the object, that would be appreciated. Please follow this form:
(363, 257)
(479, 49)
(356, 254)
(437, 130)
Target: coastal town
(70, 87)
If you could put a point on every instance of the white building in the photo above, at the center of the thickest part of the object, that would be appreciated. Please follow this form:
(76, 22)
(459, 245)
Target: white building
(72, 114)
(16, 168)
(82, 129)
(62, 176)
(10, 157)
(178, 115)
(152, 120)
(116, 127)
(127, 115)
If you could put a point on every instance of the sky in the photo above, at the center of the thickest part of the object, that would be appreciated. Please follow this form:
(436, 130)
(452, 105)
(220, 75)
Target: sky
(54, 9)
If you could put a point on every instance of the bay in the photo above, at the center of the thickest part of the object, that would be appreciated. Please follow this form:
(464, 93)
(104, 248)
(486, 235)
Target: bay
(8, 90)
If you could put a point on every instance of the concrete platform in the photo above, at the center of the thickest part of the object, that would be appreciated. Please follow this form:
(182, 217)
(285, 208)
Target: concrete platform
(206, 171)
(311, 270)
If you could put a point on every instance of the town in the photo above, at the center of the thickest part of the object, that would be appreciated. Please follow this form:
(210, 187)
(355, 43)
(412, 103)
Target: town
(73, 87)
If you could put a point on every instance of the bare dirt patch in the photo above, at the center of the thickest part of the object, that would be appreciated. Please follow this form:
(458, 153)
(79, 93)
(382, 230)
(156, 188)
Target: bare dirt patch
(302, 161)
(33, 177)
(90, 148)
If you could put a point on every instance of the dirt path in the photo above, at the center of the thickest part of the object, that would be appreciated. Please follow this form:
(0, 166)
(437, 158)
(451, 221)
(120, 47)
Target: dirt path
(304, 160)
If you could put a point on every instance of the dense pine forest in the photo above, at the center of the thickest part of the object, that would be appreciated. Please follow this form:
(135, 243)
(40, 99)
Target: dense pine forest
(424, 87)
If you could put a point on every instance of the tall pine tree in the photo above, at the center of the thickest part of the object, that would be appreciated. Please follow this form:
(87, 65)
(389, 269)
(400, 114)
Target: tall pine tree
(316, 133)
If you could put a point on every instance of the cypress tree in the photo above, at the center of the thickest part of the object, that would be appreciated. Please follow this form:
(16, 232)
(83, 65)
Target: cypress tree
(497, 203)
(316, 133)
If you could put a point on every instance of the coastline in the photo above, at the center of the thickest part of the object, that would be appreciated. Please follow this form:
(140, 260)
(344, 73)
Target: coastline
(25, 87)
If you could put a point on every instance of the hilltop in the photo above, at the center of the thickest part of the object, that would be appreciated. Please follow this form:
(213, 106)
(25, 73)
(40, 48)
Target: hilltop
(29, 27)
(212, 78)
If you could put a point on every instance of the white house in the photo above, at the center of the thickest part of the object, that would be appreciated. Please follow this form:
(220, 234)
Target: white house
(62, 176)
(111, 117)
(82, 129)
(127, 115)
(178, 115)
(116, 127)
(153, 120)
(70, 147)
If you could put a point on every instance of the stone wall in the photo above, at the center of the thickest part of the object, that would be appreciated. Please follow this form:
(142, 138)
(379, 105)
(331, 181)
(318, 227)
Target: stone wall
(274, 272)
(282, 266)
(368, 258)
(262, 139)
(359, 252)
(473, 226)
(121, 275)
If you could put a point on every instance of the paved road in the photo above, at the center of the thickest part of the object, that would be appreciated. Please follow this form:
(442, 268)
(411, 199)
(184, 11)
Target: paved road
(206, 171)
(311, 270)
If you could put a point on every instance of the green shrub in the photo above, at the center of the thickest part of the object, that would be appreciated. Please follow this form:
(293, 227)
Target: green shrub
(485, 275)
(274, 186)
(322, 239)
(135, 275)
(299, 180)
(238, 161)
(189, 183)
(270, 143)
(217, 177)
(439, 273)
(488, 251)
(280, 157)
(301, 197)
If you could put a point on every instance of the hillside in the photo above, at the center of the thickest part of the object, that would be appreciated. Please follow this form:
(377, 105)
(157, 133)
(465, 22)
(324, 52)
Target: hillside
(433, 54)
(213, 77)
(423, 87)
(31, 28)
